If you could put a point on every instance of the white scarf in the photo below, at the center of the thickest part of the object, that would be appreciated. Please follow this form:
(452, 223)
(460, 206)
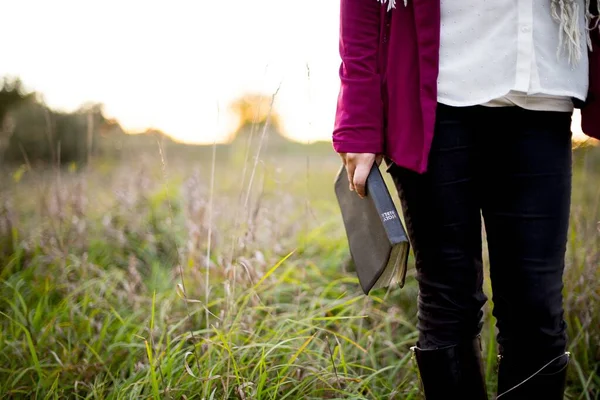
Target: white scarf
(566, 13)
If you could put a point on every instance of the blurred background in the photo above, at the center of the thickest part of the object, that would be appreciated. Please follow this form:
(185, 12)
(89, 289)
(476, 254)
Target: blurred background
(168, 227)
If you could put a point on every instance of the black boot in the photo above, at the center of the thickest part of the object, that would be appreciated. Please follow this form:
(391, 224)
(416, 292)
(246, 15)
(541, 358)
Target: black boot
(454, 372)
(548, 384)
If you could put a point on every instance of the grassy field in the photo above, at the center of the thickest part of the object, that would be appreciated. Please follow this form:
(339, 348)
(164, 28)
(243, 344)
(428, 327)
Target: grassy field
(155, 277)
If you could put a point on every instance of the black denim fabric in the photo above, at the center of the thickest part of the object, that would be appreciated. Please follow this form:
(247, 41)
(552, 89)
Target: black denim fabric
(512, 167)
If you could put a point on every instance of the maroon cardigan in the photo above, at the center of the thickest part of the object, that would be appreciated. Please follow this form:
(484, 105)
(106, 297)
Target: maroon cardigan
(388, 93)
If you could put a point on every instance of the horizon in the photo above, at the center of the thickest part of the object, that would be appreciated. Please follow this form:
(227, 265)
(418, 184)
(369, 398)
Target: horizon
(177, 67)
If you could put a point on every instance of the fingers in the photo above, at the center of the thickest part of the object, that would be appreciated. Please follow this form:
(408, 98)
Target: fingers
(350, 168)
(361, 173)
(344, 157)
(358, 166)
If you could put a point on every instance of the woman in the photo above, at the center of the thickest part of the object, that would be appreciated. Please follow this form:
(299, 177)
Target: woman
(470, 104)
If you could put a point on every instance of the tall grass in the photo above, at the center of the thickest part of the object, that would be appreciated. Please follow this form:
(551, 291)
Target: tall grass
(93, 305)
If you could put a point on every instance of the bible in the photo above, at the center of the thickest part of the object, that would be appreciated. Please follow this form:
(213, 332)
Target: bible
(377, 239)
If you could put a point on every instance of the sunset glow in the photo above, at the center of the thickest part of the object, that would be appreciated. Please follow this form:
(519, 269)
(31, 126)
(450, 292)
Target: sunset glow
(176, 66)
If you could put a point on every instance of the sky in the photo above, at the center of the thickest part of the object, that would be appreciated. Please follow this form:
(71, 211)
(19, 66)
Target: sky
(177, 65)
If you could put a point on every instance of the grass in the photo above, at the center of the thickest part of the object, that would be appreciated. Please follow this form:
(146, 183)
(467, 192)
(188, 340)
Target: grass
(109, 288)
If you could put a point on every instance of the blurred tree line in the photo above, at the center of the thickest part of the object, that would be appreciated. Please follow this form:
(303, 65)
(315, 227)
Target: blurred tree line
(255, 112)
(32, 132)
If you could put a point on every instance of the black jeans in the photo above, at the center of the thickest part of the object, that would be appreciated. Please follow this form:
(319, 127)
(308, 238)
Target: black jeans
(513, 166)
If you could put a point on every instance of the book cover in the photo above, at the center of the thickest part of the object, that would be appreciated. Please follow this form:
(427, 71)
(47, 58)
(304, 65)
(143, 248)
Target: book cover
(377, 239)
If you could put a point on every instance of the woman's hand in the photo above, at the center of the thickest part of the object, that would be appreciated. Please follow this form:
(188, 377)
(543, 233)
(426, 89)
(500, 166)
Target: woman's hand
(358, 166)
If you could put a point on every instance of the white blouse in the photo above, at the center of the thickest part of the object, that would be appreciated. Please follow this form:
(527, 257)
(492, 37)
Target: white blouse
(500, 53)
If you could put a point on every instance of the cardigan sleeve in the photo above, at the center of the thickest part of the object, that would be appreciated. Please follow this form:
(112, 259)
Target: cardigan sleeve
(590, 113)
(358, 124)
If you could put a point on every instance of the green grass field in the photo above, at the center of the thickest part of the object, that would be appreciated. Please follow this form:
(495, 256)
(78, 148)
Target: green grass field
(153, 277)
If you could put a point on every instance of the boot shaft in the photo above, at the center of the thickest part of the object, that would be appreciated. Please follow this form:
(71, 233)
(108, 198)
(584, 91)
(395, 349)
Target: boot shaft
(518, 380)
(453, 372)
